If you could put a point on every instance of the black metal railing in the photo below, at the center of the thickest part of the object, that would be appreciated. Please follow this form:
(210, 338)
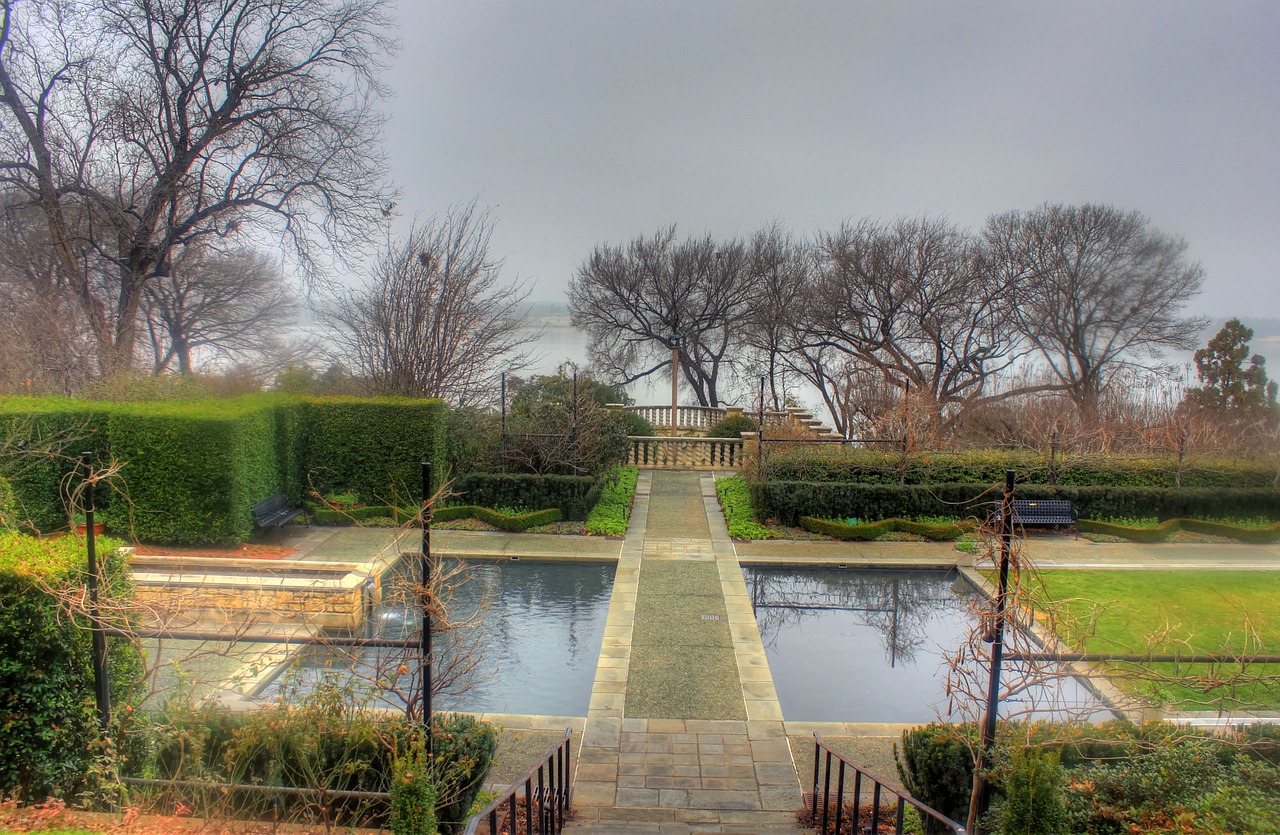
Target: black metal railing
(841, 808)
(538, 802)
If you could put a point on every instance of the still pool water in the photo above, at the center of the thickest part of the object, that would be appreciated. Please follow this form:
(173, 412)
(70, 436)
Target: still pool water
(867, 645)
(530, 644)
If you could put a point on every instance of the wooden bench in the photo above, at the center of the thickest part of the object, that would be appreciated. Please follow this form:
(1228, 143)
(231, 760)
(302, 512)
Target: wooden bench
(273, 511)
(1055, 514)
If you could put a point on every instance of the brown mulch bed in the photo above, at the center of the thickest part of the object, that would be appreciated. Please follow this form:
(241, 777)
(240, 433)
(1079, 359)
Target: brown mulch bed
(243, 552)
(53, 816)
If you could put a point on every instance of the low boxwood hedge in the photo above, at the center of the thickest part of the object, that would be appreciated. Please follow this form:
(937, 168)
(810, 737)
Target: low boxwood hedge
(513, 523)
(1168, 528)
(872, 530)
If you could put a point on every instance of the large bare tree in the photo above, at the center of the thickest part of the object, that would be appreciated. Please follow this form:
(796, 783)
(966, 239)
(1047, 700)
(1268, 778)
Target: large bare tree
(637, 302)
(1095, 290)
(227, 305)
(436, 318)
(142, 127)
(907, 302)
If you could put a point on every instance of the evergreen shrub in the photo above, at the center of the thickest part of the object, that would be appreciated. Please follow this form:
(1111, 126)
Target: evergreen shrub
(194, 470)
(47, 711)
(373, 446)
(830, 463)
(788, 501)
(936, 765)
(574, 496)
(731, 427)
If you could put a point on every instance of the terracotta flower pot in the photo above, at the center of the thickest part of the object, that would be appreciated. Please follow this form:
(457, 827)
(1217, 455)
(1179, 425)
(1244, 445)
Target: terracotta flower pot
(98, 529)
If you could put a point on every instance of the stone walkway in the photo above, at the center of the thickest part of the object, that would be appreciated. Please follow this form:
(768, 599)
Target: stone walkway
(720, 762)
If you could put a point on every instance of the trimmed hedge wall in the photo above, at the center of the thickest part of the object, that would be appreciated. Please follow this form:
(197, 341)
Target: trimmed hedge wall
(573, 495)
(46, 679)
(787, 501)
(194, 469)
(374, 446)
(988, 467)
(31, 429)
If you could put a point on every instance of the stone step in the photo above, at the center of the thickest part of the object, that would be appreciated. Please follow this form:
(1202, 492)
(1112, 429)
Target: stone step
(604, 819)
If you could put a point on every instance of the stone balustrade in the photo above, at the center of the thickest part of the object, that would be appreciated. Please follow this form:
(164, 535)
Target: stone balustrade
(654, 453)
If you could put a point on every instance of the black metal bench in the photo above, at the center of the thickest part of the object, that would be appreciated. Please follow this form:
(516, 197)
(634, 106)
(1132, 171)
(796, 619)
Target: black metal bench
(1055, 514)
(273, 511)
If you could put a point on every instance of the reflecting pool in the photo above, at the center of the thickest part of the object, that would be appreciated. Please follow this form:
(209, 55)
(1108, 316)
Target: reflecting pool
(528, 641)
(867, 645)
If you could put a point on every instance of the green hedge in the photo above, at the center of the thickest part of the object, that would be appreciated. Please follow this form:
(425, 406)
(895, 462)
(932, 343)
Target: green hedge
(988, 467)
(573, 495)
(788, 501)
(610, 515)
(373, 446)
(507, 522)
(872, 530)
(192, 470)
(739, 518)
(41, 440)
(50, 732)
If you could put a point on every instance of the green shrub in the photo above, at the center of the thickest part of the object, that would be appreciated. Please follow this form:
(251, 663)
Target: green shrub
(637, 425)
(610, 515)
(413, 796)
(1033, 795)
(735, 500)
(573, 495)
(731, 427)
(464, 749)
(50, 738)
(936, 766)
(472, 441)
(374, 446)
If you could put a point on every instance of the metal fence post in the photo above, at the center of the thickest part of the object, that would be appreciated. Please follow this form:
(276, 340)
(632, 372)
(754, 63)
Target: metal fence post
(101, 684)
(980, 800)
(424, 660)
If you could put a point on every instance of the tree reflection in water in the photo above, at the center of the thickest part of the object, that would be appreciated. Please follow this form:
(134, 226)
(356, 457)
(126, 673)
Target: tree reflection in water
(897, 603)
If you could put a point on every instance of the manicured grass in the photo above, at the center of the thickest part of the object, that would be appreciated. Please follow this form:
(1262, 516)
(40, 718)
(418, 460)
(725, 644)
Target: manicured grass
(610, 515)
(1166, 612)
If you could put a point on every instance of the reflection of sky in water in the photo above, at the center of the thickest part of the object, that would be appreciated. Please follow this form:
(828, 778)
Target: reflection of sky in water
(536, 647)
(865, 645)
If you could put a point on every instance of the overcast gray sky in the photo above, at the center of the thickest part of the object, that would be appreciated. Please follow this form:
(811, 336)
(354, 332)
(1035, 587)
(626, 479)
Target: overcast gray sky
(583, 122)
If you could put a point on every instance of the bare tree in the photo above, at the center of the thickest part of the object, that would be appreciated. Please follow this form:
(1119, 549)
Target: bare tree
(907, 301)
(1095, 289)
(782, 276)
(224, 304)
(142, 127)
(640, 301)
(436, 320)
(43, 341)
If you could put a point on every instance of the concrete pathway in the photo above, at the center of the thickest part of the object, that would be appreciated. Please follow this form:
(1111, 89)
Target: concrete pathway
(723, 764)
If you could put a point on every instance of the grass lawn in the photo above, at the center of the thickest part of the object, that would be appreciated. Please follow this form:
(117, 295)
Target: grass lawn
(1203, 612)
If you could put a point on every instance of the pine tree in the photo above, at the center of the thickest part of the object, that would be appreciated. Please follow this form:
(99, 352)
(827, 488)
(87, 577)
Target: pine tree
(1228, 384)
